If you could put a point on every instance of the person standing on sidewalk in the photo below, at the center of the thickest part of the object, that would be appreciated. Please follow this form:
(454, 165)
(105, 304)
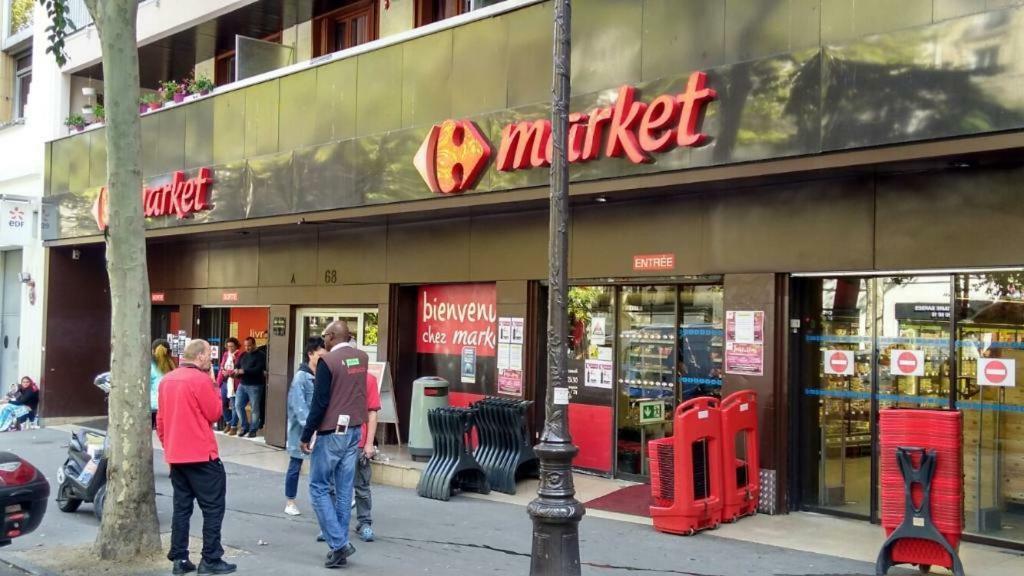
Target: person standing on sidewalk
(228, 384)
(189, 406)
(300, 396)
(336, 415)
(251, 370)
(364, 470)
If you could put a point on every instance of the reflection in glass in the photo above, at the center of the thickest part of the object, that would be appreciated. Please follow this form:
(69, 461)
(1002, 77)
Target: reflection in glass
(701, 340)
(990, 332)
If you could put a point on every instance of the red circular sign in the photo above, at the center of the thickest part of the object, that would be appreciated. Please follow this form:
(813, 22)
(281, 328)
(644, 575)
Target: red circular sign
(996, 372)
(907, 362)
(837, 361)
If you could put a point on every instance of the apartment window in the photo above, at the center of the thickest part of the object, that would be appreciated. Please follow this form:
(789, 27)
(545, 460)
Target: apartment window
(345, 27)
(20, 16)
(22, 81)
(224, 66)
(430, 11)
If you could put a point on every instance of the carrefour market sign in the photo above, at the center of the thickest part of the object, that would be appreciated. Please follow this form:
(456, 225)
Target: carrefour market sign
(455, 153)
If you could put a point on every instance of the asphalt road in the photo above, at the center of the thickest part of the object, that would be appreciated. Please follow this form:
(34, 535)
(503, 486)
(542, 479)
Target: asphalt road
(415, 535)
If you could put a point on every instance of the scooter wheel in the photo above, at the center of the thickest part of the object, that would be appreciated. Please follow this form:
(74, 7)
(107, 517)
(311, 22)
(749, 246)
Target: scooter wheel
(924, 568)
(64, 500)
(98, 501)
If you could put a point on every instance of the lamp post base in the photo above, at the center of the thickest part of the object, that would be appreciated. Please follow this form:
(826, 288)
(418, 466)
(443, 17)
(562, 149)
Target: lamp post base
(556, 513)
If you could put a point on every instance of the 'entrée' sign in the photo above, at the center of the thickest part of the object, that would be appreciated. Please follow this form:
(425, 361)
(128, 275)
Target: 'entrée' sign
(180, 197)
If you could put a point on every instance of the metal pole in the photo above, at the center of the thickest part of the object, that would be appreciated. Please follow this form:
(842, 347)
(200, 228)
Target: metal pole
(555, 512)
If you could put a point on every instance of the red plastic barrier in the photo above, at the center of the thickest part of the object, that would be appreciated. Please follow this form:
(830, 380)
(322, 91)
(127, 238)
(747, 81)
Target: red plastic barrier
(939, 430)
(690, 472)
(742, 476)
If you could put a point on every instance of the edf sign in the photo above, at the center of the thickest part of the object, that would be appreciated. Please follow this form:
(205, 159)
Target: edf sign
(16, 226)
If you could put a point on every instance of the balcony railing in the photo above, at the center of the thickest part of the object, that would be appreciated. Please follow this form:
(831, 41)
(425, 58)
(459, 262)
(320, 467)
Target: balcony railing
(79, 15)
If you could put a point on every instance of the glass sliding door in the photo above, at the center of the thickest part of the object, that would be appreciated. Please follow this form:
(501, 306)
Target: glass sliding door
(990, 346)
(646, 371)
(836, 354)
(361, 321)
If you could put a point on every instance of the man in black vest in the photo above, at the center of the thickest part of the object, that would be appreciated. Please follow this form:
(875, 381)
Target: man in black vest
(336, 415)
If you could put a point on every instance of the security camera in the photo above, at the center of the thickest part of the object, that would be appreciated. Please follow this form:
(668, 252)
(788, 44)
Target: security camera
(24, 277)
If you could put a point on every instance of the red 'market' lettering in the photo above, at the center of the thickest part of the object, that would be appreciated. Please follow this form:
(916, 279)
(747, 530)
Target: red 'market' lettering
(634, 129)
(693, 100)
(622, 134)
(180, 197)
(524, 143)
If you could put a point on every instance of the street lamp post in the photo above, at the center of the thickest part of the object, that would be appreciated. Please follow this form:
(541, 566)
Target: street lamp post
(555, 512)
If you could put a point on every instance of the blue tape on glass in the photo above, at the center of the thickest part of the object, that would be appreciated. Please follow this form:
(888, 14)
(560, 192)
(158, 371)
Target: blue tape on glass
(707, 381)
(906, 399)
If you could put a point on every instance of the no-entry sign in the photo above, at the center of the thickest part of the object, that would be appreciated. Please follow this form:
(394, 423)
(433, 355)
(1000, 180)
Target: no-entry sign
(997, 372)
(839, 362)
(907, 363)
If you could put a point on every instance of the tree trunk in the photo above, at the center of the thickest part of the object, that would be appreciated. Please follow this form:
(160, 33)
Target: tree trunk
(129, 528)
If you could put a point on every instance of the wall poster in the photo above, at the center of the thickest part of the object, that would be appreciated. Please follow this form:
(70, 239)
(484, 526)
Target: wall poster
(744, 342)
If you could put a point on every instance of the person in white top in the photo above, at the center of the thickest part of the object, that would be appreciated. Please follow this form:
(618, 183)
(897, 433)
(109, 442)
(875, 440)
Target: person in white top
(228, 383)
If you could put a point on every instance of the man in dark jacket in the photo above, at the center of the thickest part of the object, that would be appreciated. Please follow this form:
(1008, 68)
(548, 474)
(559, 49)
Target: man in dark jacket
(336, 415)
(252, 372)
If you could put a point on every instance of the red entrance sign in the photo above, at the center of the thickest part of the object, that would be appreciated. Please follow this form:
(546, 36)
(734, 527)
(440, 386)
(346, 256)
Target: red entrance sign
(157, 297)
(180, 197)
(654, 262)
(631, 129)
(229, 297)
(451, 317)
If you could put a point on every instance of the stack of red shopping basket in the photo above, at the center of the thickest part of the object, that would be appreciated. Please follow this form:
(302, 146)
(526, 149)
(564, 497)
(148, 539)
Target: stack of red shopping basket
(930, 443)
(697, 477)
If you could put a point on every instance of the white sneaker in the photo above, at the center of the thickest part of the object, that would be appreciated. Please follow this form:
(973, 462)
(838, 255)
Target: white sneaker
(292, 510)
(353, 502)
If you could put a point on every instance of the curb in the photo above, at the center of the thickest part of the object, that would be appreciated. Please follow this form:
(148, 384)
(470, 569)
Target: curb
(25, 566)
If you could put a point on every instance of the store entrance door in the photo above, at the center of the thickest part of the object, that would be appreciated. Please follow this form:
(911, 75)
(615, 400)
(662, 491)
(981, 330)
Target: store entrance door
(361, 321)
(864, 344)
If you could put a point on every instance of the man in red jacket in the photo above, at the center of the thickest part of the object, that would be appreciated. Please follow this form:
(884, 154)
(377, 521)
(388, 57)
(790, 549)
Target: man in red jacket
(189, 405)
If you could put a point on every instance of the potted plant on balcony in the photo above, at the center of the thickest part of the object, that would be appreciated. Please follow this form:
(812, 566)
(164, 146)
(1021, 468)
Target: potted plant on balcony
(75, 122)
(99, 114)
(153, 101)
(200, 85)
(172, 90)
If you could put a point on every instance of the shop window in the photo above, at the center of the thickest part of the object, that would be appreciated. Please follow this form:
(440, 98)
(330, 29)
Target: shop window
(22, 83)
(430, 11)
(345, 27)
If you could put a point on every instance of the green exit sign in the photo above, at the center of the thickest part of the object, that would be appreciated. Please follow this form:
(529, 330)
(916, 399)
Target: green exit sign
(652, 412)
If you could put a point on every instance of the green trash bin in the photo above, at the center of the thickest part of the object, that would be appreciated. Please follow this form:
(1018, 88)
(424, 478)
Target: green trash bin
(428, 392)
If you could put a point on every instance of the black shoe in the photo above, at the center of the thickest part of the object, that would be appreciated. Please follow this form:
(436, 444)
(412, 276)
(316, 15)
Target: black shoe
(348, 550)
(183, 567)
(335, 559)
(216, 567)
(251, 434)
(320, 537)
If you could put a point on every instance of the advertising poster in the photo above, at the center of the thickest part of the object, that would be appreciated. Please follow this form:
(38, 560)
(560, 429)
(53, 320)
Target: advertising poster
(744, 326)
(504, 330)
(510, 382)
(451, 317)
(468, 365)
(518, 329)
(744, 359)
(744, 342)
(597, 374)
(598, 331)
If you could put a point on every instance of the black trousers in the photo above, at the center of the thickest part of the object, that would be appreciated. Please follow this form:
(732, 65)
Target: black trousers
(205, 483)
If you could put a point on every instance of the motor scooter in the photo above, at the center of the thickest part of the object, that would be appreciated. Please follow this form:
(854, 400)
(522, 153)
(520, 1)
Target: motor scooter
(83, 477)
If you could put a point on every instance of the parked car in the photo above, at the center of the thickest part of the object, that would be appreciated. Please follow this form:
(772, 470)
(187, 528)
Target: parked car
(23, 495)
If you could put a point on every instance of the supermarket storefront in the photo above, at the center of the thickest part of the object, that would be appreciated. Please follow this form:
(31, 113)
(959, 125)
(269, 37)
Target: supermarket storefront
(717, 213)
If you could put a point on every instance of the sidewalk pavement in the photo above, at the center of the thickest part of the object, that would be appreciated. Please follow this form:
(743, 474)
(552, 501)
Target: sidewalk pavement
(415, 535)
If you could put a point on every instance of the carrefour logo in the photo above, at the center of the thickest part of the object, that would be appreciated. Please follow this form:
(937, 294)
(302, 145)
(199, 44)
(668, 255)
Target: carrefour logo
(16, 218)
(452, 156)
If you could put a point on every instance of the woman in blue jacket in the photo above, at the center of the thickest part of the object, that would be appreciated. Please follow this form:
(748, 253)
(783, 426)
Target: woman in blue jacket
(300, 396)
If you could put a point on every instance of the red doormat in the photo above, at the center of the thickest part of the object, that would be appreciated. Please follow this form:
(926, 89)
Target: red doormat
(632, 500)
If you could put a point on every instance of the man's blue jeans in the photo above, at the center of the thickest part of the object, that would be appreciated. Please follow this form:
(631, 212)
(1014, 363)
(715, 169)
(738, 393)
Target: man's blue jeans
(246, 394)
(334, 464)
